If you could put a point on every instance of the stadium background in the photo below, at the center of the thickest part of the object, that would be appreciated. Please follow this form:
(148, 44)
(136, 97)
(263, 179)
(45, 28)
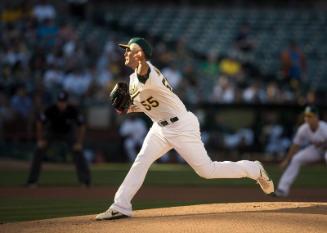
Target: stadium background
(226, 56)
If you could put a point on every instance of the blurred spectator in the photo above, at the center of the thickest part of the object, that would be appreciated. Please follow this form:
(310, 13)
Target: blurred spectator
(254, 93)
(243, 41)
(189, 91)
(13, 11)
(276, 143)
(294, 65)
(55, 58)
(43, 10)
(224, 91)
(165, 55)
(308, 97)
(104, 77)
(311, 97)
(53, 77)
(28, 36)
(274, 138)
(106, 68)
(77, 82)
(273, 93)
(38, 61)
(16, 55)
(133, 131)
(47, 33)
(21, 103)
(69, 47)
(173, 75)
(230, 67)
(57, 124)
(214, 131)
(20, 125)
(67, 32)
(209, 67)
(239, 140)
(184, 57)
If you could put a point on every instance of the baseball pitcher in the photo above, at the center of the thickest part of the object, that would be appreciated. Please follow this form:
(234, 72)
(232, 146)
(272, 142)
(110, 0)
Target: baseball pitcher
(174, 127)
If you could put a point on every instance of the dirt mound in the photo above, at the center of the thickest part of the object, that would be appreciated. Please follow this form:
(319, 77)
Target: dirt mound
(234, 217)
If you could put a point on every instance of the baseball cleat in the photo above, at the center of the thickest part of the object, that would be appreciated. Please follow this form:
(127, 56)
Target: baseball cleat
(110, 214)
(264, 181)
(280, 193)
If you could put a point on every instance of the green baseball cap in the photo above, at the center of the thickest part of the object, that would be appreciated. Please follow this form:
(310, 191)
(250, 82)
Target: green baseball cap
(145, 46)
(309, 110)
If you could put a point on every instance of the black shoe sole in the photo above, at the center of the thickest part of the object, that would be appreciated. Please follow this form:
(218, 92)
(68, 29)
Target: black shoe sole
(114, 218)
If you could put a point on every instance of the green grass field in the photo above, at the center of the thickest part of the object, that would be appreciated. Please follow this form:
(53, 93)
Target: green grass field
(29, 208)
(159, 174)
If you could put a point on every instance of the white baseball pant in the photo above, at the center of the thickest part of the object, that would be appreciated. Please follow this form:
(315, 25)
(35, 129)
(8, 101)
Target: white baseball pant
(308, 155)
(184, 137)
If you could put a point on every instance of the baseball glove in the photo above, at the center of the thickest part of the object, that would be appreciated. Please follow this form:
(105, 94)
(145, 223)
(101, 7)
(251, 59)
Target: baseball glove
(120, 98)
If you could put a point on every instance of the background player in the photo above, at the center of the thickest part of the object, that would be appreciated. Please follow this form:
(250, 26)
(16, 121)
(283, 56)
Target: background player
(56, 124)
(312, 135)
(173, 127)
(133, 130)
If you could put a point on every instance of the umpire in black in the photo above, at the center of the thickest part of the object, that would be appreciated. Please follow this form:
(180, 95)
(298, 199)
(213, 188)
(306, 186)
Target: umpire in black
(60, 122)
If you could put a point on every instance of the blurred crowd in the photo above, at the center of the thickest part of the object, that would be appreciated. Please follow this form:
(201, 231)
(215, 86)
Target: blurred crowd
(43, 52)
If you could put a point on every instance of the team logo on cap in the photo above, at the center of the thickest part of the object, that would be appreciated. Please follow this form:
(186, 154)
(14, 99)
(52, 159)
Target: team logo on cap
(310, 110)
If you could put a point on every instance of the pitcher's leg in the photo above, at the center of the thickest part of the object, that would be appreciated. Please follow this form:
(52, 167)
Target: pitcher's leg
(310, 154)
(189, 145)
(196, 155)
(153, 147)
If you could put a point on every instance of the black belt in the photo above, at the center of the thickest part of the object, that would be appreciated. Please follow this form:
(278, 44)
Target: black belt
(165, 123)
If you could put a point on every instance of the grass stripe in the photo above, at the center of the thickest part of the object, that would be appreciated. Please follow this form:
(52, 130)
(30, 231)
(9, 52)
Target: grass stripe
(160, 175)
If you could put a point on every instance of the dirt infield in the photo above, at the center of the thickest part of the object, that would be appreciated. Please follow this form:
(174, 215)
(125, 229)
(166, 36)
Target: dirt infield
(234, 217)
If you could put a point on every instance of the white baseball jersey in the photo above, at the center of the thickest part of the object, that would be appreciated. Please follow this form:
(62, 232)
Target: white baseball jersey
(305, 135)
(155, 97)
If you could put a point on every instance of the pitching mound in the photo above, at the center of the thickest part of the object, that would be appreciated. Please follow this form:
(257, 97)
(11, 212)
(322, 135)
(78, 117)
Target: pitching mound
(235, 217)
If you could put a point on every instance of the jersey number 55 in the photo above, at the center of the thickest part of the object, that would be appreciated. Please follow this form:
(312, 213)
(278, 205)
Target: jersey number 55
(150, 103)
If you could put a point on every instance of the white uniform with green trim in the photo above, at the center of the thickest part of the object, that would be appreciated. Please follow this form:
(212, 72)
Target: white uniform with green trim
(306, 138)
(155, 98)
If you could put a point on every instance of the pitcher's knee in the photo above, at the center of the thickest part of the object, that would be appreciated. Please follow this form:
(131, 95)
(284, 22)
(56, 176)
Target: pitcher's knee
(140, 158)
(142, 161)
(204, 173)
